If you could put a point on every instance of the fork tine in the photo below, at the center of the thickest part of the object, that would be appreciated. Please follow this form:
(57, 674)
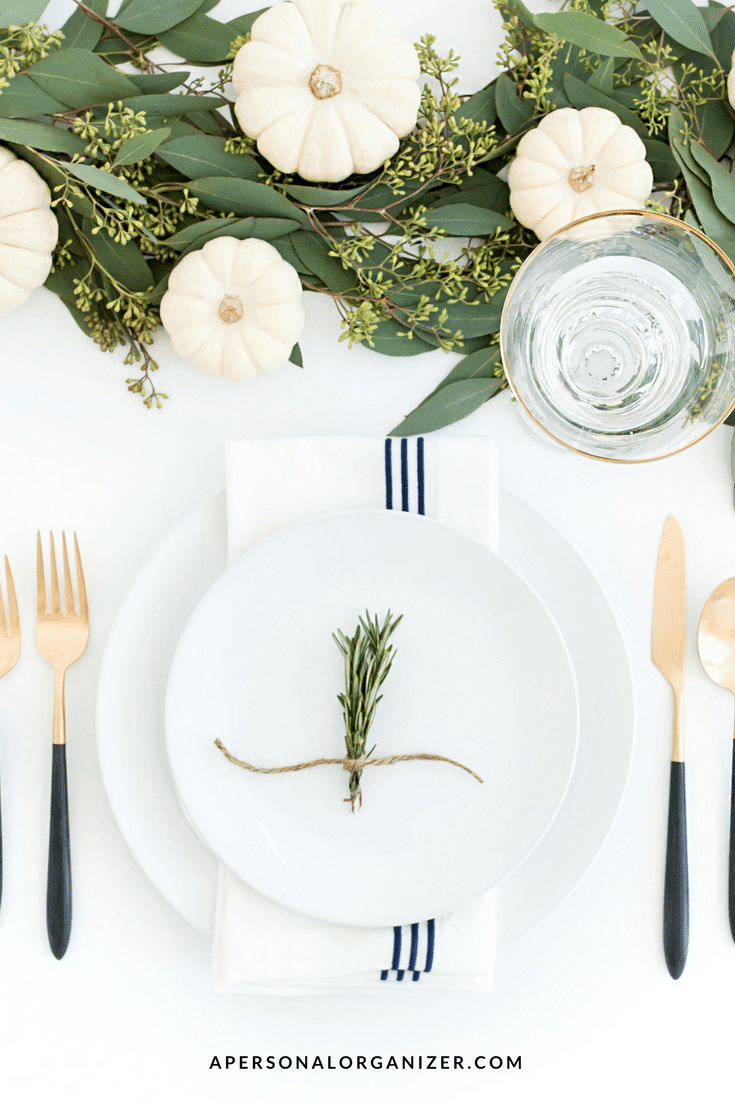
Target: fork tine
(40, 580)
(83, 607)
(68, 591)
(13, 617)
(55, 593)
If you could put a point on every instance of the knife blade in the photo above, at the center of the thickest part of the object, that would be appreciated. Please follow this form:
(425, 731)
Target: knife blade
(668, 634)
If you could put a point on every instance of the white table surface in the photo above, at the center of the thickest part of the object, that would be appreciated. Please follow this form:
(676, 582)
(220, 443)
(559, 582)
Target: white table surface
(585, 999)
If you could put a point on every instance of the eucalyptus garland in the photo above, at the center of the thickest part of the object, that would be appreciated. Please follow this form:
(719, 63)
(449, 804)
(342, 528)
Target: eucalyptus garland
(147, 163)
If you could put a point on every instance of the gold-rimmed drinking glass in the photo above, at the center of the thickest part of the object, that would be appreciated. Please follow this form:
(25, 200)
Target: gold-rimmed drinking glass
(618, 336)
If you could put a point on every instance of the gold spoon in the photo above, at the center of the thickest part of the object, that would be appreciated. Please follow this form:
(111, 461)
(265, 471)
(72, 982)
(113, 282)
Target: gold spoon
(716, 646)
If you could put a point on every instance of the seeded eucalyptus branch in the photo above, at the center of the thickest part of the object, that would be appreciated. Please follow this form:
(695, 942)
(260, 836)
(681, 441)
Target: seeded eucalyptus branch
(156, 165)
(368, 659)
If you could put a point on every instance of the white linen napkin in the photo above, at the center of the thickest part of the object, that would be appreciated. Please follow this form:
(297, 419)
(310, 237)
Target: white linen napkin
(261, 947)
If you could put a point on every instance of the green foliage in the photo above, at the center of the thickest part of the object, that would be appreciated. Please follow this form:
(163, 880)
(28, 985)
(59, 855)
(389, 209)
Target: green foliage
(146, 163)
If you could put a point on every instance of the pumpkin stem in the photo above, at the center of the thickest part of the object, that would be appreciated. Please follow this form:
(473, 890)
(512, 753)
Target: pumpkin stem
(230, 309)
(582, 178)
(325, 82)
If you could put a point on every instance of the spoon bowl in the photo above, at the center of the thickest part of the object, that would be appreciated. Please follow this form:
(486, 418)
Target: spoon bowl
(716, 636)
(716, 646)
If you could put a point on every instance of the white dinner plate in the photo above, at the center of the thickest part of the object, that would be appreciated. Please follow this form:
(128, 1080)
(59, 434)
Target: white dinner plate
(130, 704)
(482, 675)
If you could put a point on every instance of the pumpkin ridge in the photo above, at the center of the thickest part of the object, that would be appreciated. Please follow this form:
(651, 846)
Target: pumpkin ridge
(320, 19)
(296, 133)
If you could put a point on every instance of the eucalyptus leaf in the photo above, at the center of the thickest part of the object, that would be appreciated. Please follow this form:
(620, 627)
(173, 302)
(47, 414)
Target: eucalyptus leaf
(489, 193)
(227, 194)
(602, 78)
(323, 196)
(526, 17)
(722, 35)
(479, 108)
(243, 24)
(713, 222)
(157, 83)
(679, 145)
(105, 181)
(594, 35)
(480, 364)
(170, 106)
(723, 184)
(78, 78)
(140, 146)
(125, 263)
(662, 161)
(24, 98)
(154, 16)
(156, 293)
(475, 319)
(266, 229)
(60, 283)
(314, 253)
(80, 32)
(512, 112)
(16, 13)
(448, 405)
(465, 220)
(683, 21)
(412, 293)
(200, 39)
(728, 248)
(717, 126)
(205, 155)
(584, 95)
(713, 16)
(285, 248)
(391, 339)
(38, 135)
(197, 231)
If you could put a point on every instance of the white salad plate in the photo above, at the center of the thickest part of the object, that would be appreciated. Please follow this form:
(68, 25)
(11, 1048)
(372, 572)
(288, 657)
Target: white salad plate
(132, 687)
(481, 675)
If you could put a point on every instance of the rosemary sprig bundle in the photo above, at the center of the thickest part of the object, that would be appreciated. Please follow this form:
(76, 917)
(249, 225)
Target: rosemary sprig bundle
(368, 658)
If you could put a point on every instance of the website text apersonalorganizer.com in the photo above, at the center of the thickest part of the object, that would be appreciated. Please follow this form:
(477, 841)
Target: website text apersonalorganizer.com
(453, 1062)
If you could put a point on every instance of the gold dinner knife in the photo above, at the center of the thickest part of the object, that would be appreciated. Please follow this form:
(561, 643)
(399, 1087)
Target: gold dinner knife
(667, 652)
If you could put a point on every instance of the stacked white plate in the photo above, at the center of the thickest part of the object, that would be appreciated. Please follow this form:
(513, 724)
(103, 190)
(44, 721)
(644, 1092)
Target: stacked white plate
(534, 835)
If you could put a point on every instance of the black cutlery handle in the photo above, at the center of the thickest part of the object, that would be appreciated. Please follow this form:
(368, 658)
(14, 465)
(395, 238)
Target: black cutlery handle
(1, 855)
(676, 882)
(58, 897)
(731, 874)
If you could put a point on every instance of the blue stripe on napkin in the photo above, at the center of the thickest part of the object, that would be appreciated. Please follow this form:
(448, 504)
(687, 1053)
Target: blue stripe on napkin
(407, 483)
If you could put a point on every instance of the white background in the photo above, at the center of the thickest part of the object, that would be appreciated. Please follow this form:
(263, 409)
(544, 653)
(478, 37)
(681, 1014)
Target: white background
(585, 999)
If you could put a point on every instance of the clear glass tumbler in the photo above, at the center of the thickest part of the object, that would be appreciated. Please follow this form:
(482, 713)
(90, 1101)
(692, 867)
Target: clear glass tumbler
(618, 336)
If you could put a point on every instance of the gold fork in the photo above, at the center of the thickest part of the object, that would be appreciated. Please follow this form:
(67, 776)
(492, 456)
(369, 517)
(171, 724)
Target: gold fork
(9, 652)
(61, 638)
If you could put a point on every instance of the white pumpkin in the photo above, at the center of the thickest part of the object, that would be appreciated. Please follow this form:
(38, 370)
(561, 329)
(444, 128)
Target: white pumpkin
(577, 163)
(28, 231)
(327, 87)
(233, 308)
(731, 81)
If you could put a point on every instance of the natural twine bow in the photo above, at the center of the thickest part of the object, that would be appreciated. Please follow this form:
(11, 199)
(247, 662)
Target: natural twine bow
(354, 766)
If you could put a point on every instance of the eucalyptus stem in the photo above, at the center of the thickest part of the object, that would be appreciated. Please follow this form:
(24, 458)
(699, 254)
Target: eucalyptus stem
(368, 658)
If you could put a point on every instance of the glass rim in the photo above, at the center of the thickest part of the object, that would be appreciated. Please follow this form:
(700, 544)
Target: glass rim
(639, 213)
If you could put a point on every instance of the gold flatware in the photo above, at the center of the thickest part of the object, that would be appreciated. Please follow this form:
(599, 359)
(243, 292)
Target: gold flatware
(61, 638)
(9, 652)
(716, 646)
(667, 652)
